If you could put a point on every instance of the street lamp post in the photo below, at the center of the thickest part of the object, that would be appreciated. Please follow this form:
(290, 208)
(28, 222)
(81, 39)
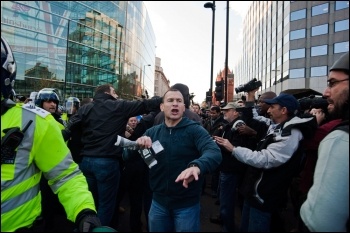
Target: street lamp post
(226, 59)
(143, 78)
(212, 6)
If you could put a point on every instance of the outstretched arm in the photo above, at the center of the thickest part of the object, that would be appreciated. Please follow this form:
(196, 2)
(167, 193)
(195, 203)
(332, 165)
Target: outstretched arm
(188, 175)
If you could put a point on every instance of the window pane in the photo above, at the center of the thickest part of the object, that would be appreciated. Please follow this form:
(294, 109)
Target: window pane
(341, 5)
(297, 73)
(297, 34)
(318, 71)
(341, 25)
(341, 47)
(319, 30)
(297, 53)
(300, 14)
(320, 9)
(319, 50)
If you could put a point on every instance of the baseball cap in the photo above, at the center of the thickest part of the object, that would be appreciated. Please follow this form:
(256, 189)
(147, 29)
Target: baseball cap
(285, 100)
(233, 105)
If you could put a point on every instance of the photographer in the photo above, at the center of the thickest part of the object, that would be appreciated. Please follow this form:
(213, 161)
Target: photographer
(302, 183)
(260, 110)
(272, 165)
(326, 208)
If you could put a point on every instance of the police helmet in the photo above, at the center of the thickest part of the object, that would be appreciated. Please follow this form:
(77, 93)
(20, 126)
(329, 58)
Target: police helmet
(46, 94)
(342, 64)
(8, 71)
(71, 103)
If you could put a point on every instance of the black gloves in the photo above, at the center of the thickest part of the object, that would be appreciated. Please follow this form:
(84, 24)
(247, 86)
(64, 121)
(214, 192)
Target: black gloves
(87, 220)
(74, 121)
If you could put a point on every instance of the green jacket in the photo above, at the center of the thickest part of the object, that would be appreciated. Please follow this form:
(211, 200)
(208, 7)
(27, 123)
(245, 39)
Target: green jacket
(42, 151)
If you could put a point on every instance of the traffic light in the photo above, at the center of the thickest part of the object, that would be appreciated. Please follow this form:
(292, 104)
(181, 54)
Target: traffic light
(219, 90)
(208, 96)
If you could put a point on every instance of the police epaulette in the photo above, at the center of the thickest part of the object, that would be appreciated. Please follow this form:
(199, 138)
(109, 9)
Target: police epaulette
(39, 111)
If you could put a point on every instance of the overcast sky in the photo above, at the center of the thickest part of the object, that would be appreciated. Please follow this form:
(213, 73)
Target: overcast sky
(183, 33)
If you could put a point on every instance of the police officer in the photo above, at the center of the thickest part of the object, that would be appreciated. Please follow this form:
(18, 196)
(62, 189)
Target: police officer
(74, 142)
(72, 106)
(48, 99)
(24, 160)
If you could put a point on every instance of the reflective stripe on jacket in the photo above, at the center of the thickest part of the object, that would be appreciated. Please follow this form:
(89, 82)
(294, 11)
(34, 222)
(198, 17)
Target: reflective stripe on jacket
(42, 150)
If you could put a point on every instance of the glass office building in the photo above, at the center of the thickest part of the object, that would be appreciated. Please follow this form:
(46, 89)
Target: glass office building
(292, 44)
(75, 46)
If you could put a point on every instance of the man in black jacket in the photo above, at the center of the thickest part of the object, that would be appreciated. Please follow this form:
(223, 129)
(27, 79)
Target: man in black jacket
(214, 125)
(101, 121)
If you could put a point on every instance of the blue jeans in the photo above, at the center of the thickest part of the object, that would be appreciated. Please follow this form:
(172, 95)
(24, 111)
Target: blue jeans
(102, 175)
(161, 219)
(254, 220)
(228, 188)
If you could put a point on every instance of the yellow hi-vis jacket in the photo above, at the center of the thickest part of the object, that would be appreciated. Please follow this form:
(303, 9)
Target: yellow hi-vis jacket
(65, 117)
(42, 151)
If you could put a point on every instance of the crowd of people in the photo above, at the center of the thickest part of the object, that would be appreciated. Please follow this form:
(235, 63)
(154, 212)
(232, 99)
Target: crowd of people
(258, 153)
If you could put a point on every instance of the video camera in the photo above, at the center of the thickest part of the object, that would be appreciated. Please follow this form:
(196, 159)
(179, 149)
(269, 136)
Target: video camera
(249, 86)
(306, 103)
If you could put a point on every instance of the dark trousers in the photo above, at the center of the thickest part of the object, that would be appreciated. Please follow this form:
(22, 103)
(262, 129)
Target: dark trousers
(51, 205)
(140, 195)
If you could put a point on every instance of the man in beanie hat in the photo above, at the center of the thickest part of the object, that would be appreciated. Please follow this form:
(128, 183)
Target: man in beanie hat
(188, 113)
(273, 164)
(327, 205)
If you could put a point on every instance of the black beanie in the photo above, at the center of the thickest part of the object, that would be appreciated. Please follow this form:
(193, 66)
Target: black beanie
(184, 91)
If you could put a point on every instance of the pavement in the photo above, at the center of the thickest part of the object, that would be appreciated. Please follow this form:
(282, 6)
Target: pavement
(208, 209)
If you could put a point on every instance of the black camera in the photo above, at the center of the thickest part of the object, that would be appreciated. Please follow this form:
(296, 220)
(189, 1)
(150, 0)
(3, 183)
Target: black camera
(249, 86)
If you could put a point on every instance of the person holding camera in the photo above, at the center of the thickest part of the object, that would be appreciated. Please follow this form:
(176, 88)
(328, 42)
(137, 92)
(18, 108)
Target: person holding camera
(303, 182)
(326, 207)
(187, 154)
(273, 164)
(260, 109)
